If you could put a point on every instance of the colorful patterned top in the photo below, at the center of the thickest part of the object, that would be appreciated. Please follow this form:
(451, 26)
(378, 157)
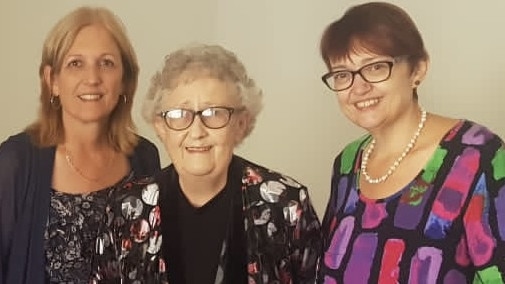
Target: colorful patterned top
(128, 242)
(445, 226)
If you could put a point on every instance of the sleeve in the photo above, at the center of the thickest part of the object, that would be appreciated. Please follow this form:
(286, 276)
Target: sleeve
(146, 158)
(10, 161)
(484, 220)
(307, 242)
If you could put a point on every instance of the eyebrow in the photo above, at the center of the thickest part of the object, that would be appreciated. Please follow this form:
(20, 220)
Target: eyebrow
(105, 54)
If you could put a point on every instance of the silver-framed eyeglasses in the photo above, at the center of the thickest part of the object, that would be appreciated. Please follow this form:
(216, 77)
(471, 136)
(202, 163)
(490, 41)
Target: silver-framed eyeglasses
(374, 72)
(212, 117)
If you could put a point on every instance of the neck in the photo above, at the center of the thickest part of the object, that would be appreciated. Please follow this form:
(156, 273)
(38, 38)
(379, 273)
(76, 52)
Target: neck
(86, 134)
(392, 138)
(199, 190)
(410, 145)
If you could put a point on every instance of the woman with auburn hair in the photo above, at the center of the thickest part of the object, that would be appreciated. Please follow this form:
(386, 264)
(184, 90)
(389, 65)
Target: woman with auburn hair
(63, 179)
(421, 197)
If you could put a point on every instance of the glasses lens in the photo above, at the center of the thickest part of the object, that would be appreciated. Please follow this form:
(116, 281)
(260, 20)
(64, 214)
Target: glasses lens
(216, 117)
(179, 118)
(340, 80)
(377, 72)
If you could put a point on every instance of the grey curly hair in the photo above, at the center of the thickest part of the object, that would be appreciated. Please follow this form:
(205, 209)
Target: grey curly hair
(197, 61)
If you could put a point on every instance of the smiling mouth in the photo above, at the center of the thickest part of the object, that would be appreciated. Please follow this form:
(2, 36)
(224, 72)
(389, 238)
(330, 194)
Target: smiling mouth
(90, 97)
(198, 149)
(367, 103)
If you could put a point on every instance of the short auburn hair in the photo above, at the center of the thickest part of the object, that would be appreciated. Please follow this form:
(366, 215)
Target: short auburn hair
(377, 27)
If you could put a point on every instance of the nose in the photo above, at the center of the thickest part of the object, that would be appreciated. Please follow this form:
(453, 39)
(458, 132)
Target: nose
(93, 75)
(197, 128)
(360, 86)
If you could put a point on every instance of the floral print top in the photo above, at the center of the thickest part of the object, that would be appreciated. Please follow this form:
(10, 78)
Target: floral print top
(70, 236)
(107, 236)
(446, 226)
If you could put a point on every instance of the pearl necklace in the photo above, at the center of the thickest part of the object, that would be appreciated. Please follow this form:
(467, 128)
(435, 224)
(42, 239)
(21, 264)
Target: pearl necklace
(397, 162)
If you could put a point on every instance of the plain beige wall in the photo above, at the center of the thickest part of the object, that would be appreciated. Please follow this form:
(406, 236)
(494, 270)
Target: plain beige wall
(300, 130)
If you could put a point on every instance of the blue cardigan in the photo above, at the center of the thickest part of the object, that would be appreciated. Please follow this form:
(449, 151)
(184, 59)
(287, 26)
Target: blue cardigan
(25, 182)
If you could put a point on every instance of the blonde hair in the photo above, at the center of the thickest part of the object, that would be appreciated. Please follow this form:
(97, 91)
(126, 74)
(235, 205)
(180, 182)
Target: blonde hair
(201, 60)
(48, 129)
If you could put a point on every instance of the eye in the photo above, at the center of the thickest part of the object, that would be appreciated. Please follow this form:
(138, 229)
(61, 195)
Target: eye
(175, 114)
(107, 63)
(378, 66)
(341, 76)
(74, 63)
(209, 112)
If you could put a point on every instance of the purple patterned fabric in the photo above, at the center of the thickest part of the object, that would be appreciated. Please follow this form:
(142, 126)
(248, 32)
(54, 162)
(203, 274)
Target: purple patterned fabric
(446, 226)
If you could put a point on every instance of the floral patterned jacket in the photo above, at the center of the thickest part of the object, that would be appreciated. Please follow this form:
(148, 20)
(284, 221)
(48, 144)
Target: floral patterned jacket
(282, 230)
(128, 244)
(283, 236)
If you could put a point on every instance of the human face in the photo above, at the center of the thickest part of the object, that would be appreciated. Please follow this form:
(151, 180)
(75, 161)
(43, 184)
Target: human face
(199, 151)
(375, 105)
(90, 80)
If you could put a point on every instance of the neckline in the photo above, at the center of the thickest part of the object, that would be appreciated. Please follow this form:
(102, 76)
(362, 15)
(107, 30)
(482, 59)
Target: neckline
(455, 128)
(124, 179)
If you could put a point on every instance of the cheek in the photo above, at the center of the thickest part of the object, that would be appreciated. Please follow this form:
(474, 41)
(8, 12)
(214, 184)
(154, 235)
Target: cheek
(232, 136)
(118, 85)
(173, 140)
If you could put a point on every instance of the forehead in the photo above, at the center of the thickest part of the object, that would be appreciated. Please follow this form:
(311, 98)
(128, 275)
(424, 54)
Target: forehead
(202, 91)
(356, 59)
(94, 37)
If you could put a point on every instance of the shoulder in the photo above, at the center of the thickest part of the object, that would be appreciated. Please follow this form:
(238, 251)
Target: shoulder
(474, 135)
(16, 147)
(345, 160)
(145, 158)
(145, 146)
(19, 140)
(271, 184)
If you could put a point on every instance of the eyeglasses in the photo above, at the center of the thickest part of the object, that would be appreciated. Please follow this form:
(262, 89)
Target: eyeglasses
(211, 117)
(372, 73)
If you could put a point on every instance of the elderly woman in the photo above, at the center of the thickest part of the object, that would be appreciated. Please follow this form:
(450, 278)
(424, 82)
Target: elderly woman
(224, 219)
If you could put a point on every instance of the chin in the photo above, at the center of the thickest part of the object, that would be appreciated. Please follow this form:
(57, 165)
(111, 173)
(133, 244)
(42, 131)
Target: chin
(197, 172)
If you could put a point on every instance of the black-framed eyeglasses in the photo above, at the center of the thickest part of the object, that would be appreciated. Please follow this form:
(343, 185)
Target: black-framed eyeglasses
(212, 117)
(374, 72)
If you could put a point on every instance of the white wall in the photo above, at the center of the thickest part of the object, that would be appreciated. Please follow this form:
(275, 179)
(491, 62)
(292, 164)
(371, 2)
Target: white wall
(300, 129)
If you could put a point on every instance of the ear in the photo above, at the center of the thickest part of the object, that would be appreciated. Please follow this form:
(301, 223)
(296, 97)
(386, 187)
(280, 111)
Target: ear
(48, 78)
(419, 72)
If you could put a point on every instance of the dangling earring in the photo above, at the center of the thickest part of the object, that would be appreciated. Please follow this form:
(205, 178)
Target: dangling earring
(55, 102)
(125, 99)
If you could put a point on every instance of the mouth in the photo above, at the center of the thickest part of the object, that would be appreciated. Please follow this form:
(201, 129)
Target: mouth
(366, 103)
(198, 149)
(90, 97)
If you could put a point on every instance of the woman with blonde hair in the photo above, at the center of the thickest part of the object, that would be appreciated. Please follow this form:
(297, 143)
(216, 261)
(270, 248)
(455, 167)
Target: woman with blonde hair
(60, 177)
